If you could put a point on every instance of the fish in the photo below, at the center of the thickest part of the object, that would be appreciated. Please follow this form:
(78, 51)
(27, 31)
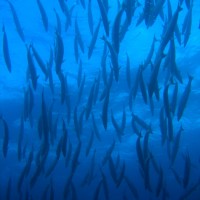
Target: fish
(76, 123)
(135, 127)
(90, 142)
(93, 40)
(95, 128)
(51, 167)
(131, 187)
(31, 68)
(96, 88)
(74, 163)
(170, 29)
(160, 182)
(40, 61)
(80, 91)
(140, 153)
(121, 175)
(188, 22)
(184, 98)
(90, 101)
(49, 65)
(113, 172)
(43, 15)
(114, 59)
(58, 52)
(173, 103)
(142, 123)
(187, 170)
(105, 185)
(58, 22)
(83, 3)
(97, 190)
(63, 87)
(176, 176)
(192, 189)
(103, 64)
(116, 30)
(150, 54)
(76, 51)
(64, 138)
(6, 53)
(44, 118)
(176, 145)
(148, 12)
(128, 72)
(152, 86)
(104, 114)
(20, 138)
(170, 128)
(78, 36)
(80, 74)
(51, 191)
(17, 22)
(156, 10)
(6, 137)
(163, 125)
(104, 16)
(143, 87)
(166, 101)
(8, 190)
(90, 17)
(108, 153)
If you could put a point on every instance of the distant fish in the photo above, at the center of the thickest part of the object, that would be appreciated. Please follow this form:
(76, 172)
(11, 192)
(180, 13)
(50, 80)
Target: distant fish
(83, 3)
(6, 50)
(58, 27)
(104, 16)
(76, 51)
(31, 68)
(148, 12)
(78, 35)
(187, 170)
(163, 125)
(108, 153)
(43, 14)
(17, 22)
(40, 62)
(90, 142)
(90, 17)
(114, 58)
(90, 101)
(8, 190)
(128, 72)
(59, 52)
(188, 24)
(184, 99)
(6, 137)
(143, 87)
(132, 187)
(160, 182)
(173, 103)
(20, 138)
(116, 31)
(105, 110)
(97, 190)
(170, 29)
(93, 40)
(176, 145)
(96, 131)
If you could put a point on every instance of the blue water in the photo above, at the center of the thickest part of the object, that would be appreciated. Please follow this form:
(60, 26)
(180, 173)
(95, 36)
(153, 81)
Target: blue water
(136, 44)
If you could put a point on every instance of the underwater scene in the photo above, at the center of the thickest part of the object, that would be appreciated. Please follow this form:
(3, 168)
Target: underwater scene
(100, 99)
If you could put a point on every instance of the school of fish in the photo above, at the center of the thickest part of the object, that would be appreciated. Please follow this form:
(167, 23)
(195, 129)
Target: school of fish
(92, 123)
